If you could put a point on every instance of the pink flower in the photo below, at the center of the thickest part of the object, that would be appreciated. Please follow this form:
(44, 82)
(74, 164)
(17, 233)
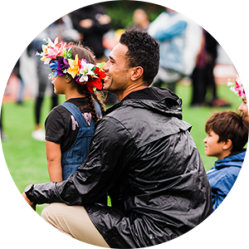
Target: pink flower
(237, 87)
(54, 51)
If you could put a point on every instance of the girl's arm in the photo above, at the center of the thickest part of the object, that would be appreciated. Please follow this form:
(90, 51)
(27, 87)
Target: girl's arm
(53, 151)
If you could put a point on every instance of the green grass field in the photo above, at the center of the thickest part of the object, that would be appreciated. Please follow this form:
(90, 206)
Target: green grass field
(26, 157)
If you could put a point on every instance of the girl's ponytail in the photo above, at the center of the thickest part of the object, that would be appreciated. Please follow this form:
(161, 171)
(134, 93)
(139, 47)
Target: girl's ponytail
(101, 104)
(83, 90)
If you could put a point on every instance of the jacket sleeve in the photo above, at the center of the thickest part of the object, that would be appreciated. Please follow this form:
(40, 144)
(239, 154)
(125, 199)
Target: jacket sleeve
(111, 148)
(171, 32)
(221, 189)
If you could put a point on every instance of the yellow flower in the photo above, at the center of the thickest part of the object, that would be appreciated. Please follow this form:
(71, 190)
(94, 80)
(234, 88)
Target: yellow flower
(74, 66)
(43, 58)
(44, 49)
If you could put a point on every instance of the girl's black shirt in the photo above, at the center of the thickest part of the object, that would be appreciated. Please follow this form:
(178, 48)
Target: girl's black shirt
(60, 125)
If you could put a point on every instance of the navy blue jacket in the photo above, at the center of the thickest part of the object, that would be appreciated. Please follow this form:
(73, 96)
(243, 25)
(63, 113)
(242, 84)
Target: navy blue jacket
(223, 175)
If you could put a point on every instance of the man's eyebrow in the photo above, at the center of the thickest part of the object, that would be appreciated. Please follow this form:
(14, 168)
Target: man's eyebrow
(111, 58)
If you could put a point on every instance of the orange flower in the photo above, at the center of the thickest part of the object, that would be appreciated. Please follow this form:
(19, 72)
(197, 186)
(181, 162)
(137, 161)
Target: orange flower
(74, 66)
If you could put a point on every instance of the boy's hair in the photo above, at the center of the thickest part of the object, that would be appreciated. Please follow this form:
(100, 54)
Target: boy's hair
(143, 50)
(229, 125)
(86, 53)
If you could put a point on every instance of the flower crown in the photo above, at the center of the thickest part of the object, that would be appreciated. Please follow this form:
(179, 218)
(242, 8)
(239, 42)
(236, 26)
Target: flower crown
(59, 56)
(237, 87)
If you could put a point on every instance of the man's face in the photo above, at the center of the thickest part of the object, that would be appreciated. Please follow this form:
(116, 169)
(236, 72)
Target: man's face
(117, 72)
(244, 108)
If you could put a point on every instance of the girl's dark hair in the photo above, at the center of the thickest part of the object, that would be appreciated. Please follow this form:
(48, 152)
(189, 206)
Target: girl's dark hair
(87, 54)
(229, 125)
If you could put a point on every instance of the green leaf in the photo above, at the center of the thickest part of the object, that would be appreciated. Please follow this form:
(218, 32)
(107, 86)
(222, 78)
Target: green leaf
(100, 65)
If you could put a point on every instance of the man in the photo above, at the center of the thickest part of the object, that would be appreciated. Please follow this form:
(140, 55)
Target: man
(179, 39)
(92, 23)
(142, 154)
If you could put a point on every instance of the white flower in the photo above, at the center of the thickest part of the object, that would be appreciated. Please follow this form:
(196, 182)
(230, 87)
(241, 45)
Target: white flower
(40, 54)
(47, 60)
(238, 80)
(85, 70)
(89, 68)
(83, 78)
(50, 43)
(229, 83)
(56, 41)
(233, 90)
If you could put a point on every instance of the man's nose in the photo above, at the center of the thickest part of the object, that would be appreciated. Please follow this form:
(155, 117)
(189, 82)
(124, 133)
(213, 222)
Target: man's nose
(105, 68)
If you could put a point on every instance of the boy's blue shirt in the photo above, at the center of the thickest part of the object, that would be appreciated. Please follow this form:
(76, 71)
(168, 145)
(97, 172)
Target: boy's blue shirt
(223, 175)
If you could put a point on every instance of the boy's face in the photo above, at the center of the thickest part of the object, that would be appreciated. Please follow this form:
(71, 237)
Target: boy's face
(212, 147)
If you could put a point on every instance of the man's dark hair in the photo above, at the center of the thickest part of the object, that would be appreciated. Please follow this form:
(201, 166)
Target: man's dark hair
(229, 125)
(143, 50)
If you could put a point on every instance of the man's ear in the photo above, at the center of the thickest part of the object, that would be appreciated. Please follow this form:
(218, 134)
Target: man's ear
(136, 73)
(228, 145)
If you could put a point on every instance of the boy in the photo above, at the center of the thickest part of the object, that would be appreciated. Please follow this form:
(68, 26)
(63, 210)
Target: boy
(227, 134)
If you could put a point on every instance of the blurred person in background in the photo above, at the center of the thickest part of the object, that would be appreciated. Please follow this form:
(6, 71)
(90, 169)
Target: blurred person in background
(140, 20)
(4, 137)
(180, 41)
(93, 23)
(203, 79)
(60, 28)
(21, 89)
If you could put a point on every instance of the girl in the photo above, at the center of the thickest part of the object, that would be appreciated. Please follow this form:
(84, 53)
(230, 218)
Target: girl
(70, 126)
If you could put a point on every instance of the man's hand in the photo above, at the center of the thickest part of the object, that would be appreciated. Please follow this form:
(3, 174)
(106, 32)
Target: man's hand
(32, 204)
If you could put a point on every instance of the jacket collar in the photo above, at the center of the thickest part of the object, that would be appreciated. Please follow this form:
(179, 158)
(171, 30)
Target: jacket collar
(235, 159)
(153, 98)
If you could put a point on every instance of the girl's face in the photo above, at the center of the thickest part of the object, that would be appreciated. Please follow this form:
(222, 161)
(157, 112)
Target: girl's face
(59, 84)
(243, 108)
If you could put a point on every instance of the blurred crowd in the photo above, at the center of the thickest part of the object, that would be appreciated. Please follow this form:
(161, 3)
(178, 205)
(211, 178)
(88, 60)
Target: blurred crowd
(186, 51)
